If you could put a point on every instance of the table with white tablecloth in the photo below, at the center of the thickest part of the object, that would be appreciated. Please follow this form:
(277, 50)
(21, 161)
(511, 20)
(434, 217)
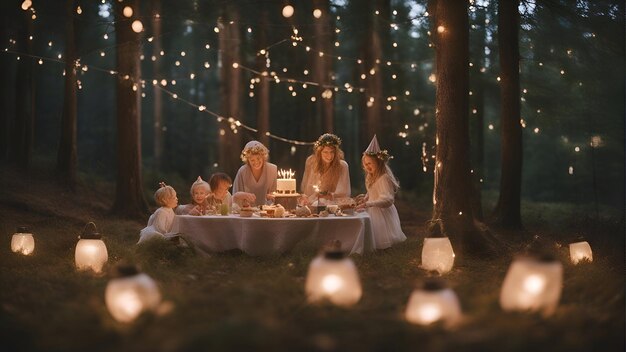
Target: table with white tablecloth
(264, 236)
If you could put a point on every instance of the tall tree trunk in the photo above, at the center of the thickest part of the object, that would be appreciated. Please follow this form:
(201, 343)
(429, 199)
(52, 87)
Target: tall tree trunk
(371, 69)
(21, 146)
(263, 88)
(158, 94)
(129, 199)
(322, 64)
(477, 51)
(452, 211)
(507, 212)
(67, 159)
(230, 88)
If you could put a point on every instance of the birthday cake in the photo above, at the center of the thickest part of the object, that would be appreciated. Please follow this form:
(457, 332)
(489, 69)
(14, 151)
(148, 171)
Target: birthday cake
(285, 184)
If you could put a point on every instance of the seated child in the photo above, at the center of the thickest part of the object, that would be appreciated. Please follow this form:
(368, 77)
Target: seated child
(220, 183)
(381, 187)
(200, 193)
(161, 221)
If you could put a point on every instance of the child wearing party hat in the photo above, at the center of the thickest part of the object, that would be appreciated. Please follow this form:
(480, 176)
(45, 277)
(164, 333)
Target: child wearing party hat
(381, 186)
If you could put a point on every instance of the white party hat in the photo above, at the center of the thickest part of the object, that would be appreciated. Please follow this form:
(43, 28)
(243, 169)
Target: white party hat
(373, 148)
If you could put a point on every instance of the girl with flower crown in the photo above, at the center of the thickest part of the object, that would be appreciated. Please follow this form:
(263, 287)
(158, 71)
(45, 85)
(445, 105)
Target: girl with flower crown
(257, 178)
(161, 221)
(381, 186)
(326, 174)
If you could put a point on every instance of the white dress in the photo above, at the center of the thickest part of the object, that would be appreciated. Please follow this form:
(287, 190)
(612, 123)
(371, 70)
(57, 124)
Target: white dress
(312, 178)
(245, 182)
(383, 214)
(159, 224)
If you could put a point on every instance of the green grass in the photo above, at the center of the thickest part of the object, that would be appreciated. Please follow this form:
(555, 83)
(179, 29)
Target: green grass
(231, 301)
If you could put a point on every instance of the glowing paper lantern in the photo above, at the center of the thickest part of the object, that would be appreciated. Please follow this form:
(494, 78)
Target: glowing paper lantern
(334, 277)
(128, 11)
(437, 254)
(532, 284)
(288, 11)
(91, 252)
(23, 241)
(130, 294)
(580, 251)
(432, 303)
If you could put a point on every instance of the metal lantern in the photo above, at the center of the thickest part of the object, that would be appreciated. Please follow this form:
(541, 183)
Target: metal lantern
(334, 277)
(437, 254)
(432, 303)
(23, 241)
(91, 252)
(580, 251)
(130, 293)
(532, 284)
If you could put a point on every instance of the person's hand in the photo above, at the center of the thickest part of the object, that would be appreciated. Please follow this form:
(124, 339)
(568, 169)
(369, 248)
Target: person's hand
(359, 199)
(270, 196)
(196, 211)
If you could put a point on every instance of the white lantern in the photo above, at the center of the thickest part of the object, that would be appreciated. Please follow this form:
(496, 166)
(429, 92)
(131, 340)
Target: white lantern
(580, 251)
(334, 277)
(130, 294)
(532, 284)
(432, 303)
(437, 254)
(91, 252)
(23, 241)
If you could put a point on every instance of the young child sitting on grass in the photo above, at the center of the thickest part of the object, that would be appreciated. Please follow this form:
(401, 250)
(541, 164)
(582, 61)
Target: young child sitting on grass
(161, 221)
(200, 193)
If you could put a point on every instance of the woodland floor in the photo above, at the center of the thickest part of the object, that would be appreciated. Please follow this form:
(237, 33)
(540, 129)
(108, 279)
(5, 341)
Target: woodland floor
(231, 301)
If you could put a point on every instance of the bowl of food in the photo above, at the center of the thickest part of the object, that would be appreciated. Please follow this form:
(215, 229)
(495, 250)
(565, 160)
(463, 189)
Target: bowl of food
(246, 212)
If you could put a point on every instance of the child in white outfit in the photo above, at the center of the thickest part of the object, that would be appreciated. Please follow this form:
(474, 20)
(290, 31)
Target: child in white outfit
(161, 221)
(381, 187)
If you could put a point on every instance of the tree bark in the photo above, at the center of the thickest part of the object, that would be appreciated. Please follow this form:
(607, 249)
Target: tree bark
(507, 212)
(158, 94)
(230, 89)
(129, 198)
(263, 88)
(452, 194)
(373, 98)
(67, 156)
(22, 138)
(322, 65)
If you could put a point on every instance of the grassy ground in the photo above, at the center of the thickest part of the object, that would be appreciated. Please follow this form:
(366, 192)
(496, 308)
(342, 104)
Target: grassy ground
(231, 301)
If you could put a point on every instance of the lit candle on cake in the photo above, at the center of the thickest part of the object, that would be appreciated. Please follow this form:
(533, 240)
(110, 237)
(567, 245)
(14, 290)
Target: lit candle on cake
(286, 183)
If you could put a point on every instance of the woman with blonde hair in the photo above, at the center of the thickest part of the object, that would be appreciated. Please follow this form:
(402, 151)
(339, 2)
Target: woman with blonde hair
(326, 174)
(257, 177)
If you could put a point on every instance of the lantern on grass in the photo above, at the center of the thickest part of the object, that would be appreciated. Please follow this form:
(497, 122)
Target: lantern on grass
(532, 284)
(334, 277)
(23, 241)
(437, 254)
(580, 251)
(130, 293)
(91, 252)
(433, 302)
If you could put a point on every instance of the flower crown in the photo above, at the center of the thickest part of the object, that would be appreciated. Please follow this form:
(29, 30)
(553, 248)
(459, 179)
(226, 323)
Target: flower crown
(382, 155)
(328, 139)
(258, 149)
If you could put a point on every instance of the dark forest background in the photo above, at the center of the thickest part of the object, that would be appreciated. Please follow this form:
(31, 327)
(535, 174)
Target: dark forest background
(571, 75)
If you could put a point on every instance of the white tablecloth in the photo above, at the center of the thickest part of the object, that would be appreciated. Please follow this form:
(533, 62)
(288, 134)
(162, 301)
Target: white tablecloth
(263, 236)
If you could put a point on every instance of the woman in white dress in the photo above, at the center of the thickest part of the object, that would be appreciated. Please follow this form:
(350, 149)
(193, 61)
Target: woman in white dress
(161, 221)
(326, 174)
(381, 187)
(257, 177)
